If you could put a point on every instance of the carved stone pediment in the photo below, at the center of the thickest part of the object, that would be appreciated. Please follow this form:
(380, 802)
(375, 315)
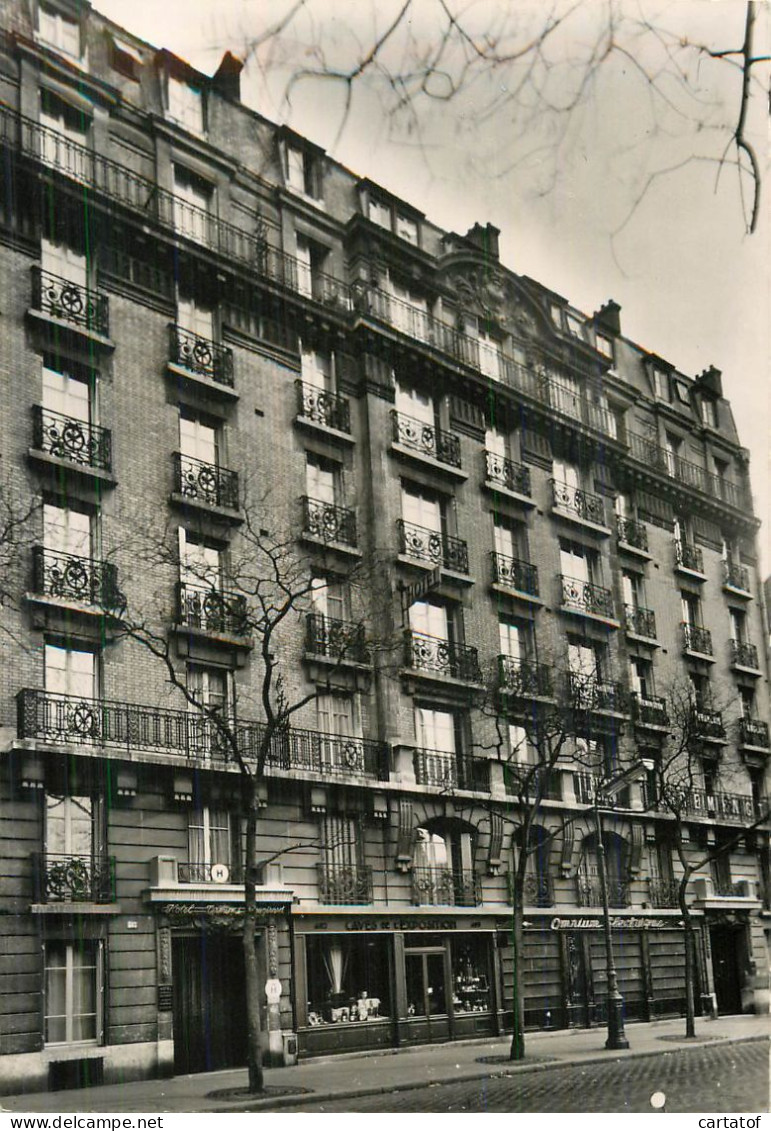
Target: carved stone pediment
(485, 290)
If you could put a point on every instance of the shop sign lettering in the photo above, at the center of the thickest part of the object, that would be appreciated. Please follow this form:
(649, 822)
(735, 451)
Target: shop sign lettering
(628, 922)
(400, 925)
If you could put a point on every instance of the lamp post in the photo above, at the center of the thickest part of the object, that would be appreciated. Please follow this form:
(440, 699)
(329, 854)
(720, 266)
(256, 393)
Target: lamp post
(617, 1038)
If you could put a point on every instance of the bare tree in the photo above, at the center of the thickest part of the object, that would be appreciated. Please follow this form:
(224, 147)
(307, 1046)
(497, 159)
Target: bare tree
(19, 531)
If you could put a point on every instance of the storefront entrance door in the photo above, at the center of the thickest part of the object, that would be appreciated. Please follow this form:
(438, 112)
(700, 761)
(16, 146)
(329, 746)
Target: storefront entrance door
(208, 1003)
(724, 942)
(426, 993)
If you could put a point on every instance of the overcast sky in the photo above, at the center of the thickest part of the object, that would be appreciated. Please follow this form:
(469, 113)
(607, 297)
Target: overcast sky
(693, 287)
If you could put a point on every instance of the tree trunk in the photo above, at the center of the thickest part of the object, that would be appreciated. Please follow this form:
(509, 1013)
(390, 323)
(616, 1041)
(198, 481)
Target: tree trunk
(690, 966)
(517, 1051)
(253, 989)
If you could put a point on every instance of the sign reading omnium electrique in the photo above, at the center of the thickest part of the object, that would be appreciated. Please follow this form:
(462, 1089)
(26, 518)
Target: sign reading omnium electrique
(628, 922)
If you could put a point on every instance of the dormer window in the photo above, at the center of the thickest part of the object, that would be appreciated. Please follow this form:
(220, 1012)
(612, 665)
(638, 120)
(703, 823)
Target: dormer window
(709, 412)
(301, 170)
(603, 345)
(124, 58)
(407, 229)
(681, 392)
(58, 30)
(379, 213)
(185, 105)
(660, 385)
(389, 216)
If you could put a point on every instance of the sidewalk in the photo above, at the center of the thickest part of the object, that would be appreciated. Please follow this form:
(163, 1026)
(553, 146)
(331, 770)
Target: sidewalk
(367, 1073)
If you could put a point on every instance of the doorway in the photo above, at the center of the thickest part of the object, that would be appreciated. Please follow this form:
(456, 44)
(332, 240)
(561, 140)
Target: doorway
(725, 942)
(426, 983)
(209, 1006)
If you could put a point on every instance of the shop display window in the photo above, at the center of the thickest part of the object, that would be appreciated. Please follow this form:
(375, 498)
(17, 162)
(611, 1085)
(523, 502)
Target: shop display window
(470, 975)
(348, 980)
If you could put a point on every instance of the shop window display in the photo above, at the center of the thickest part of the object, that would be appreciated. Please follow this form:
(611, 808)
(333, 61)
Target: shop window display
(347, 980)
(471, 983)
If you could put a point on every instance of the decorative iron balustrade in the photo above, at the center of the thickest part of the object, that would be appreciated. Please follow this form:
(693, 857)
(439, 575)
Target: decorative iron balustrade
(632, 533)
(515, 574)
(73, 302)
(697, 639)
(336, 639)
(329, 522)
(663, 893)
(587, 693)
(341, 884)
(65, 437)
(736, 576)
(538, 889)
(201, 355)
(532, 782)
(451, 771)
(729, 889)
(442, 657)
(578, 503)
(657, 458)
(205, 483)
(754, 732)
(211, 610)
(734, 808)
(444, 887)
(744, 655)
(73, 878)
(688, 557)
(319, 753)
(505, 473)
(71, 578)
(323, 407)
(427, 439)
(524, 678)
(585, 787)
(649, 710)
(640, 621)
(199, 873)
(707, 723)
(589, 892)
(586, 597)
(427, 545)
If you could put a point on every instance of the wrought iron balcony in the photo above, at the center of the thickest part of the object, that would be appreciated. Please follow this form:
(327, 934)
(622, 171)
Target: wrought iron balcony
(584, 597)
(524, 678)
(336, 639)
(71, 578)
(427, 439)
(587, 693)
(341, 884)
(649, 711)
(434, 546)
(578, 503)
(201, 356)
(436, 656)
(663, 893)
(200, 873)
(77, 441)
(323, 407)
(589, 892)
(744, 655)
(215, 611)
(754, 732)
(205, 483)
(665, 462)
(73, 878)
(707, 723)
(318, 753)
(632, 533)
(736, 576)
(585, 788)
(640, 622)
(444, 887)
(729, 889)
(451, 771)
(505, 473)
(538, 889)
(513, 573)
(532, 782)
(697, 639)
(688, 557)
(733, 808)
(73, 302)
(328, 522)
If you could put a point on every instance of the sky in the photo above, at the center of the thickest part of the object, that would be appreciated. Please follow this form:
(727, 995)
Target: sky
(693, 286)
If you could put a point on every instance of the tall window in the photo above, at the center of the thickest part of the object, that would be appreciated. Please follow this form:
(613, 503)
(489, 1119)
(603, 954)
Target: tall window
(430, 620)
(209, 841)
(509, 538)
(342, 841)
(73, 992)
(409, 311)
(416, 404)
(67, 531)
(192, 205)
(70, 671)
(186, 105)
(210, 689)
(488, 350)
(567, 474)
(641, 677)
(317, 370)
(421, 509)
(58, 30)
(301, 170)
(338, 714)
(709, 412)
(379, 213)
(322, 478)
(309, 263)
(435, 730)
(672, 450)
(63, 261)
(200, 561)
(327, 598)
(196, 320)
(67, 394)
(198, 436)
(631, 584)
(64, 144)
(578, 562)
(73, 826)
(515, 638)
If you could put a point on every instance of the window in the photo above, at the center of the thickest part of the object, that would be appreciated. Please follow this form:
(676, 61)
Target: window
(496, 443)
(338, 714)
(568, 474)
(661, 385)
(301, 170)
(641, 677)
(73, 826)
(58, 30)
(349, 978)
(681, 391)
(64, 262)
(415, 404)
(186, 105)
(586, 663)
(200, 561)
(379, 213)
(616, 869)
(738, 625)
(310, 264)
(603, 345)
(198, 436)
(452, 849)
(515, 638)
(209, 841)
(708, 412)
(509, 539)
(317, 370)
(67, 530)
(579, 563)
(672, 449)
(747, 703)
(632, 588)
(73, 992)
(409, 312)
(322, 480)
(64, 140)
(68, 394)
(430, 620)
(691, 609)
(341, 841)
(328, 598)
(70, 671)
(406, 229)
(196, 320)
(210, 689)
(565, 395)
(488, 350)
(192, 205)
(422, 510)
(435, 730)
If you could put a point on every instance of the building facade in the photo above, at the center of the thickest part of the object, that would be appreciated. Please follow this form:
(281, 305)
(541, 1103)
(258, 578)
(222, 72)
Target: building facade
(496, 503)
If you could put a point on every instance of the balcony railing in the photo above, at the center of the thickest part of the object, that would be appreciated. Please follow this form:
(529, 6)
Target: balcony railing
(323, 407)
(515, 574)
(632, 533)
(532, 781)
(640, 621)
(336, 639)
(200, 873)
(329, 522)
(73, 878)
(319, 753)
(688, 557)
(427, 439)
(505, 473)
(523, 678)
(434, 546)
(733, 808)
(71, 578)
(649, 710)
(538, 890)
(736, 576)
(744, 655)
(663, 893)
(341, 884)
(73, 302)
(205, 482)
(729, 889)
(451, 771)
(754, 732)
(434, 655)
(668, 463)
(589, 892)
(697, 639)
(585, 787)
(211, 610)
(65, 437)
(586, 597)
(578, 503)
(444, 887)
(586, 693)
(201, 355)
(707, 723)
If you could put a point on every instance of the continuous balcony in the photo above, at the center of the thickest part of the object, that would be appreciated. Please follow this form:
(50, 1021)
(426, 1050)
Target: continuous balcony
(322, 407)
(524, 679)
(663, 893)
(445, 887)
(84, 445)
(696, 639)
(583, 597)
(640, 621)
(447, 771)
(514, 575)
(336, 640)
(318, 754)
(73, 877)
(589, 892)
(503, 474)
(216, 612)
(531, 782)
(656, 458)
(649, 711)
(744, 656)
(434, 547)
(424, 439)
(201, 356)
(632, 535)
(344, 884)
(754, 733)
(732, 808)
(205, 484)
(69, 578)
(329, 523)
(74, 303)
(736, 578)
(579, 505)
(688, 558)
(706, 723)
(435, 656)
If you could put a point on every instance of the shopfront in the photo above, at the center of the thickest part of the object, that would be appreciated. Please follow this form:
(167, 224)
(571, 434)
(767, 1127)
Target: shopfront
(367, 982)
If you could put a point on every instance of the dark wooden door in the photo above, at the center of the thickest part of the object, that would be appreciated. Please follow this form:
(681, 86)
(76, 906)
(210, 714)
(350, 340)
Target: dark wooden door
(725, 968)
(209, 1004)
